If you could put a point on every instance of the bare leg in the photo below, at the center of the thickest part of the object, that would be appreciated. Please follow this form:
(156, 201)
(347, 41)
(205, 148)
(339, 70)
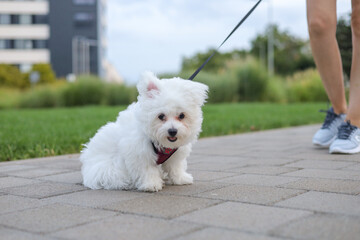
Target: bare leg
(321, 16)
(354, 100)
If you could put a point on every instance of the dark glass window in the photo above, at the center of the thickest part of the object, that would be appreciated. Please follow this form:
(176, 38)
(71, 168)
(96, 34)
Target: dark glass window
(39, 19)
(84, 2)
(83, 19)
(40, 44)
(15, 19)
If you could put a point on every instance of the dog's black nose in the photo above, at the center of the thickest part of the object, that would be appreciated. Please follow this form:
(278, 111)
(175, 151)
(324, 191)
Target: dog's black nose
(172, 132)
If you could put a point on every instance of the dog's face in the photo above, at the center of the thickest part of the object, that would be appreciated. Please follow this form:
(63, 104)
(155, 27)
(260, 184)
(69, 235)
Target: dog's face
(170, 109)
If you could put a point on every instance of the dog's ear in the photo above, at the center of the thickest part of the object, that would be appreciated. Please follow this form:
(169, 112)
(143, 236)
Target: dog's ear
(149, 85)
(199, 92)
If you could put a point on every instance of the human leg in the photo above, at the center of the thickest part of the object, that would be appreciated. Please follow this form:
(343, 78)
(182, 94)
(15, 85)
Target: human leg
(353, 113)
(348, 138)
(321, 16)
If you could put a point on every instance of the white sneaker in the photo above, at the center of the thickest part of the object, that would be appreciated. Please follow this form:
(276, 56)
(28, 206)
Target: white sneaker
(328, 132)
(347, 141)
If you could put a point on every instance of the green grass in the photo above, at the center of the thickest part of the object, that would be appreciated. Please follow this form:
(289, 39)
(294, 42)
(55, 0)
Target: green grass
(28, 133)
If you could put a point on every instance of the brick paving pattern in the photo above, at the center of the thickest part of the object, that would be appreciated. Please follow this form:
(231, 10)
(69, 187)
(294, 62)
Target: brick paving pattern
(264, 186)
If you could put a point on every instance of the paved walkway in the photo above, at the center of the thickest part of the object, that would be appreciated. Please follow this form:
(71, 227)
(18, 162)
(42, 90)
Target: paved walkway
(264, 185)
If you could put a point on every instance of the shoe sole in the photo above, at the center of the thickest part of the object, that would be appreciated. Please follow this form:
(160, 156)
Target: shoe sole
(324, 145)
(347, 151)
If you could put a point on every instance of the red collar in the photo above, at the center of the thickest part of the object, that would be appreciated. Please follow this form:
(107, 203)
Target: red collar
(163, 153)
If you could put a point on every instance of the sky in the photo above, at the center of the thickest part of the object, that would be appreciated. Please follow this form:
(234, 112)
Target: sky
(155, 35)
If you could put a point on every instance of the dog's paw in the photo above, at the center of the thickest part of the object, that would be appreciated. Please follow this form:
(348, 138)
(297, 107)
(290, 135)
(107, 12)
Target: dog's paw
(183, 179)
(154, 186)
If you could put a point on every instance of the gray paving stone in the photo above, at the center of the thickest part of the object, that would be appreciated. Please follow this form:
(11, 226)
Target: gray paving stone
(324, 202)
(269, 159)
(354, 167)
(164, 206)
(6, 182)
(5, 168)
(51, 218)
(321, 173)
(37, 172)
(321, 227)
(211, 166)
(245, 217)
(10, 203)
(44, 189)
(209, 175)
(265, 170)
(96, 198)
(326, 185)
(73, 164)
(321, 164)
(260, 180)
(193, 189)
(251, 194)
(221, 233)
(12, 234)
(71, 177)
(125, 227)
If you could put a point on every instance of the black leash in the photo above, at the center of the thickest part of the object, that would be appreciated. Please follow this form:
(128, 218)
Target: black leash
(236, 27)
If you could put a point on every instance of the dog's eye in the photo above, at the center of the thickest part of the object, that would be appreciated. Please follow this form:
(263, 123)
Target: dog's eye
(161, 117)
(181, 116)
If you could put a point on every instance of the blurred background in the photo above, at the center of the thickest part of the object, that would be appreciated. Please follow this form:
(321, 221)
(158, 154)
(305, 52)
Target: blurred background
(77, 63)
(51, 49)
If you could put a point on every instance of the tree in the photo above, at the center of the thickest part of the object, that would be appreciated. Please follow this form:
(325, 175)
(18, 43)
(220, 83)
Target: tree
(290, 53)
(10, 76)
(343, 35)
(45, 71)
(216, 64)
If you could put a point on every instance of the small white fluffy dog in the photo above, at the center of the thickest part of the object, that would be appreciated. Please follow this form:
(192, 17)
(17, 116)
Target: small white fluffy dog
(128, 153)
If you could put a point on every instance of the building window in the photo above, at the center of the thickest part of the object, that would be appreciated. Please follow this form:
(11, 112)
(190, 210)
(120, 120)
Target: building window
(39, 19)
(83, 19)
(5, 44)
(23, 44)
(5, 19)
(40, 44)
(25, 19)
(84, 2)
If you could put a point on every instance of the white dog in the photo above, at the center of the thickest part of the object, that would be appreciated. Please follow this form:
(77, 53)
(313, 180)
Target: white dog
(150, 141)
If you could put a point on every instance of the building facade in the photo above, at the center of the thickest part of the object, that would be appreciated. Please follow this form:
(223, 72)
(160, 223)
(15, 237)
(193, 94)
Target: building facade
(69, 34)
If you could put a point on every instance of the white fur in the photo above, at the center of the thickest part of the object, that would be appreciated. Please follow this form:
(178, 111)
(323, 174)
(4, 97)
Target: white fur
(121, 156)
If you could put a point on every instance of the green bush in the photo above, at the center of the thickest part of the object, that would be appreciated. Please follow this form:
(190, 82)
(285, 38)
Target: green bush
(9, 97)
(86, 90)
(119, 94)
(275, 90)
(222, 86)
(10, 76)
(40, 97)
(252, 80)
(306, 86)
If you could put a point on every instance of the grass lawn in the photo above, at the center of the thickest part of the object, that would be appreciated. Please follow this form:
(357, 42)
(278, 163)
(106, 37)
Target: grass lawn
(33, 133)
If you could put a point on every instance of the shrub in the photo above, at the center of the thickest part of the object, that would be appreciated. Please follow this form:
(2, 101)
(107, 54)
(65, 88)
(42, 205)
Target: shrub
(119, 94)
(40, 97)
(86, 90)
(222, 86)
(252, 80)
(306, 86)
(10, 76)
(9, 97)
(275, 90)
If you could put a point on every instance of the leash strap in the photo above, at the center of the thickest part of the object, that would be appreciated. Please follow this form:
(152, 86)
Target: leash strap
(235, 28)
